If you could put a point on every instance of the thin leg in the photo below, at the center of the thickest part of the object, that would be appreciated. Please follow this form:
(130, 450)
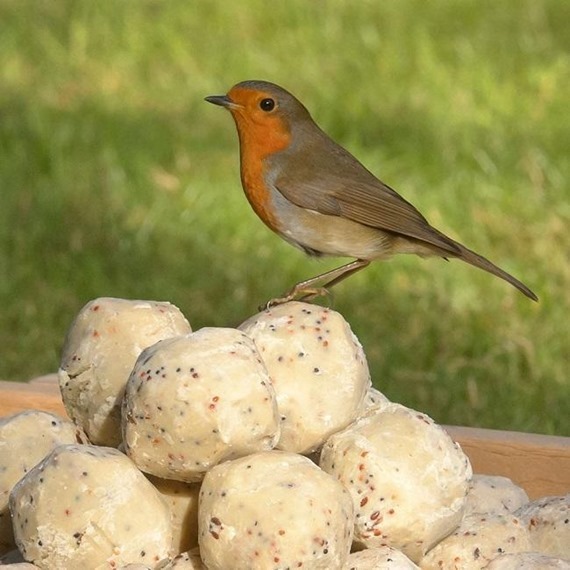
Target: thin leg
(319, 285)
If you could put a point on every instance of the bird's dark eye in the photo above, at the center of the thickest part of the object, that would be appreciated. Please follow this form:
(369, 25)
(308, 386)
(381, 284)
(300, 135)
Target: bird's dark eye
(267, 105)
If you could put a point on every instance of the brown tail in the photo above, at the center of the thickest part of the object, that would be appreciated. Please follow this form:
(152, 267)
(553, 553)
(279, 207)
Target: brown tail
(477, 260)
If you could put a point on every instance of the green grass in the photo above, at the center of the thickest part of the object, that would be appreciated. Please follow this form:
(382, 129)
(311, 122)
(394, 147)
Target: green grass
(116, 179)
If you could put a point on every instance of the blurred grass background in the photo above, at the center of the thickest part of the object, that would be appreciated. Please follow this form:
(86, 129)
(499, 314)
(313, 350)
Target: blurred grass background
(116, 179)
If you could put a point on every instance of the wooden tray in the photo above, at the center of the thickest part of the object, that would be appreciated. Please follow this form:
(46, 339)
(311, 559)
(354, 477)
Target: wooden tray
(538, 463)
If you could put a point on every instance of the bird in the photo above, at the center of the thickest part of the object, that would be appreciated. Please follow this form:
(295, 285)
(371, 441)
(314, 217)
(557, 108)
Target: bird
(318, 197)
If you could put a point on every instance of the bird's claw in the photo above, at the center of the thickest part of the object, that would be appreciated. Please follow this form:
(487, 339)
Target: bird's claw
(297, 294)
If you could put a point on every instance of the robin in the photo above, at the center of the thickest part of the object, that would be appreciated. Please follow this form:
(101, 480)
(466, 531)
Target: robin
(317, 196)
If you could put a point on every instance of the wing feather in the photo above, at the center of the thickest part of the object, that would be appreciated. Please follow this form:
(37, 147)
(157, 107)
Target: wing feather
(349, 190)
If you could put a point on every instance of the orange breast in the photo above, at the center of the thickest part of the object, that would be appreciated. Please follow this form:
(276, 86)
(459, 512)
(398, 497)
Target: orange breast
(257, 142)
(257, 192)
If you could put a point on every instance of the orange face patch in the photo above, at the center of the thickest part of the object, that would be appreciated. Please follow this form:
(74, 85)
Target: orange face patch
(261, 131)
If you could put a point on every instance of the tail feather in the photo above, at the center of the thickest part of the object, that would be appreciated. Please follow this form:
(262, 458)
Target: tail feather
(482, 263)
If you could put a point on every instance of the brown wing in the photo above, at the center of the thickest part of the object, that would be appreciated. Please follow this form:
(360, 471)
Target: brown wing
(346, 188)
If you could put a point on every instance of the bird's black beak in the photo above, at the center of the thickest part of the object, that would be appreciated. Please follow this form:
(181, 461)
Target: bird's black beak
(221, 100)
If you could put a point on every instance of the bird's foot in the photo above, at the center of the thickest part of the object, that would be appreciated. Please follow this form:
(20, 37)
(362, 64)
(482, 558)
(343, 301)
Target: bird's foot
(317, 286)
(297, 293)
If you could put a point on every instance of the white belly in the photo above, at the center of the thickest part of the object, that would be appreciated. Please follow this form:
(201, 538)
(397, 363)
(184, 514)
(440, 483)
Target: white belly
(330, 235)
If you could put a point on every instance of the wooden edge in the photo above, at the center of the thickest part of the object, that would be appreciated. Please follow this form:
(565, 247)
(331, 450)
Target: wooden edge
(45, 380)
(39, 394)
(540, 464)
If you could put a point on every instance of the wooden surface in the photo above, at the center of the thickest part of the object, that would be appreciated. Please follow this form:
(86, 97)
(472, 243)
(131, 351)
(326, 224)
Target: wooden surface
(40, 394)
(538, 463)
